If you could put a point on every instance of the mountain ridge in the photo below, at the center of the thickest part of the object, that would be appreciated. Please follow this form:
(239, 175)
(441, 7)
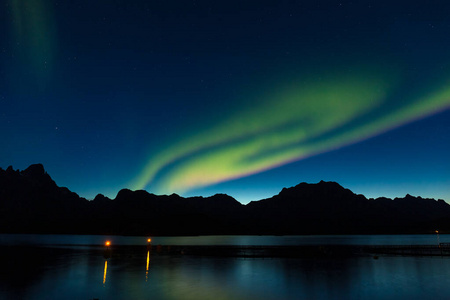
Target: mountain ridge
(31, 202)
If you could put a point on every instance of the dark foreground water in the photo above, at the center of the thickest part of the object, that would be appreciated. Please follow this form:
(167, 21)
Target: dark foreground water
(51, 267)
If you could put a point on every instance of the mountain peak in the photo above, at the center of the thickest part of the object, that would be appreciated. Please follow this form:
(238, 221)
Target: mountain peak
(101, 198)
(34, 171)
(322, 187)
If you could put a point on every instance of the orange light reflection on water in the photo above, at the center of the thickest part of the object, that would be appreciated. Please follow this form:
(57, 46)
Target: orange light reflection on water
(146, 269)
(104, 272)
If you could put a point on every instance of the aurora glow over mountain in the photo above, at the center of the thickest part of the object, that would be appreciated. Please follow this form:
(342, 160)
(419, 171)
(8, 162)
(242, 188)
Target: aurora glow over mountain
(198, 98)
(304, 120)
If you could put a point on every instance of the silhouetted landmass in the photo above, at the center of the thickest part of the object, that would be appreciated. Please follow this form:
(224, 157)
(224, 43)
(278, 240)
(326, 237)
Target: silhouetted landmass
(31, 202)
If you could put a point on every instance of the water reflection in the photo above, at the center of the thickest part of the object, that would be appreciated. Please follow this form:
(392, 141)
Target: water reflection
(76, 271)
(104, 272)
(146, 268)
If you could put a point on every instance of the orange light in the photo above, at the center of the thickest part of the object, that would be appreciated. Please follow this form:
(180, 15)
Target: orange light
(104, 271)
(437, 231)
(107, 243)
(146, 269)
(149, 240)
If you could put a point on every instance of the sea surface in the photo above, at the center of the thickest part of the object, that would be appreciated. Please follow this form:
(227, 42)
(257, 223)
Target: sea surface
(74, 267)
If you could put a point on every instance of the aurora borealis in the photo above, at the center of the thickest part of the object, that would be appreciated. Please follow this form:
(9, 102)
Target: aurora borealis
(305, 120)
(197, 98)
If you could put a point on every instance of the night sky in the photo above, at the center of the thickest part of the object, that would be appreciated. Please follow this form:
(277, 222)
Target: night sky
(237, 97)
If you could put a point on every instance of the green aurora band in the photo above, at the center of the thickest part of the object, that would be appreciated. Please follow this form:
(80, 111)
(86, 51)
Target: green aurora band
(296, 121)
(34, 31)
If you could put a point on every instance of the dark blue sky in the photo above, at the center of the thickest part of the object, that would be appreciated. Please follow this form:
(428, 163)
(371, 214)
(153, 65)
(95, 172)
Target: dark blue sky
(237, 97)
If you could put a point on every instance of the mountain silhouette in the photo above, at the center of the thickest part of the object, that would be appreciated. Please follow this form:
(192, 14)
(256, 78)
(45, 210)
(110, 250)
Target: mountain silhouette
(31, 202)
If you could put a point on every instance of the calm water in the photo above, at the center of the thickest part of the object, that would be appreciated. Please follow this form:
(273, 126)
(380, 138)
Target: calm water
(407, 239)
(78, 270)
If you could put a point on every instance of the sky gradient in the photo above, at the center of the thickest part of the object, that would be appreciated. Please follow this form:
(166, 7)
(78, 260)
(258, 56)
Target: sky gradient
(236, 97)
